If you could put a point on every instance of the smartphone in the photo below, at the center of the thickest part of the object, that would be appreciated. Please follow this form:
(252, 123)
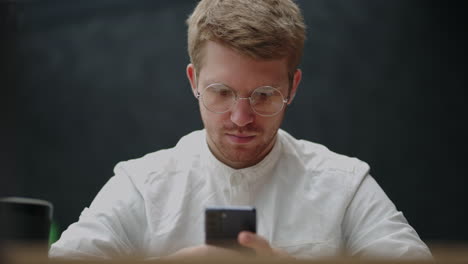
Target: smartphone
(224, 223)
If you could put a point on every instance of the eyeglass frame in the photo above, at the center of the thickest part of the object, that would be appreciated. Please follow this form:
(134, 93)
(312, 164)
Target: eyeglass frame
(236, 98)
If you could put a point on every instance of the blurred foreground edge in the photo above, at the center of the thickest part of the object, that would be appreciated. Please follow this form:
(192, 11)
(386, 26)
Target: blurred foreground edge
(30, 253)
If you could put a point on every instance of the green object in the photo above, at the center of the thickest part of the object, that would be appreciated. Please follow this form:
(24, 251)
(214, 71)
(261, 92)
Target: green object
(54, 233)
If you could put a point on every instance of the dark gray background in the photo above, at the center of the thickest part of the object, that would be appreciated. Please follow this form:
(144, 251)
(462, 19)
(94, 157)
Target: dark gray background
(86, 84)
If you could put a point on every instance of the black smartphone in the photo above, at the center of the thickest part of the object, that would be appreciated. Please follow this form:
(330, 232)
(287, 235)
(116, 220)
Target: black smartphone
(224, 223)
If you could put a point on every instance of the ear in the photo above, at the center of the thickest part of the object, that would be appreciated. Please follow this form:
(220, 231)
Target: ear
(296, 80)
(191, 75)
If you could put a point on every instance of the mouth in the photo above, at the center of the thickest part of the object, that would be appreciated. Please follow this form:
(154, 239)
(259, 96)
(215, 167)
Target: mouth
(240, 138)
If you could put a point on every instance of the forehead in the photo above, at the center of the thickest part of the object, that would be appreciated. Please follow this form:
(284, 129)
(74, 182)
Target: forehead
(224, 65)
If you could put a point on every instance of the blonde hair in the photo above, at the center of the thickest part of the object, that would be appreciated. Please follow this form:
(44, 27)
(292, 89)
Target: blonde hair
(260, 29)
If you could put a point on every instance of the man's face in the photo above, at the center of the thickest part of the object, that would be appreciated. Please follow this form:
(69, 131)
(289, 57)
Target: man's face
(239, 137)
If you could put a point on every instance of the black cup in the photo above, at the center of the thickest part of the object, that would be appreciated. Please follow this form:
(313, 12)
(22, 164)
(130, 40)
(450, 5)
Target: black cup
(25, 220)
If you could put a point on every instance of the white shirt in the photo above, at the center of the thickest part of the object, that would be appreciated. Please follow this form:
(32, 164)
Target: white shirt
(310, 202)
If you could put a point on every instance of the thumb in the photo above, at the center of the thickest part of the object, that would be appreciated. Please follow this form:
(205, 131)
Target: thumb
(255, 242)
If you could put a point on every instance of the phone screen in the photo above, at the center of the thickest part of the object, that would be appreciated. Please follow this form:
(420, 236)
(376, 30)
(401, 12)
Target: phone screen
(223, 224)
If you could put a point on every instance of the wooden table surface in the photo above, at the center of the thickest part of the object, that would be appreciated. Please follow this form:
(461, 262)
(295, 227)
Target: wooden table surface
(443, 253)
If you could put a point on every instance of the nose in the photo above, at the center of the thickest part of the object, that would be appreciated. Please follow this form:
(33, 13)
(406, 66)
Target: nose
(241, 113)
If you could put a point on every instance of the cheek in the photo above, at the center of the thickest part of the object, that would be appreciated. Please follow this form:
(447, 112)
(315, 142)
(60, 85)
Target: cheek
(212, 120)
(271, 126)
(269, 123)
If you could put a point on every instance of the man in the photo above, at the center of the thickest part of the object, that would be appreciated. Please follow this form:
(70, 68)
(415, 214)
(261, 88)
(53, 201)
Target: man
(310, 201)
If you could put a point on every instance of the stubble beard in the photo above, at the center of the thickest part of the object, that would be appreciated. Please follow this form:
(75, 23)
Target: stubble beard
(245, 156)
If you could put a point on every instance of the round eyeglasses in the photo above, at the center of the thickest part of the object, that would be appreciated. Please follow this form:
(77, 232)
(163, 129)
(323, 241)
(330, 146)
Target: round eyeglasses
(264, 100)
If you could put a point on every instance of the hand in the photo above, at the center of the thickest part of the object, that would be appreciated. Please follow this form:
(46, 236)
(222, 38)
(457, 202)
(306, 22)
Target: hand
(204, 251)
(247, 239)
(260, 245)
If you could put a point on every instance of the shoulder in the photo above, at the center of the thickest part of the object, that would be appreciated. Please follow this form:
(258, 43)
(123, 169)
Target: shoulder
(163, 162)
(316, 159)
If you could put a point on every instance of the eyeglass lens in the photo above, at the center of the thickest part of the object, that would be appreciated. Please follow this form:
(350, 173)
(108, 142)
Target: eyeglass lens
(264, 100)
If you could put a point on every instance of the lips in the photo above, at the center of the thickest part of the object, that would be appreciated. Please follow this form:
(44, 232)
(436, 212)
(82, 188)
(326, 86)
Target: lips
(240, 138)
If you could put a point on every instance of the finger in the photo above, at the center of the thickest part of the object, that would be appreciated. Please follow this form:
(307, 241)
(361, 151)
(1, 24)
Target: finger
(255, 242)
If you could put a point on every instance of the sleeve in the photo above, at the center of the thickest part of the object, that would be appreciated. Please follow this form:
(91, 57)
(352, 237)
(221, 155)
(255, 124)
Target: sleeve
(108, 228)
(373, 227)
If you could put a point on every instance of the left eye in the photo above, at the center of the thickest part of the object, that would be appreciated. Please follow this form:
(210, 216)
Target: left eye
(264, 94)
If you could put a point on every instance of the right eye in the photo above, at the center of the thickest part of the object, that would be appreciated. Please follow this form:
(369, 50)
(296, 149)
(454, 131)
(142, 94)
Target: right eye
(221, 91)
(224, 93)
